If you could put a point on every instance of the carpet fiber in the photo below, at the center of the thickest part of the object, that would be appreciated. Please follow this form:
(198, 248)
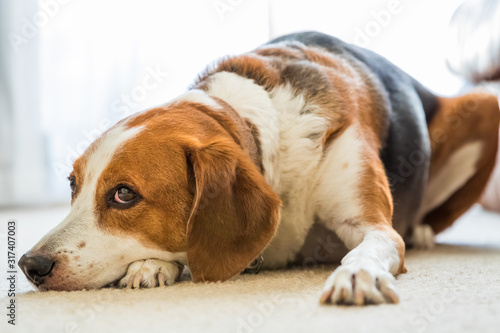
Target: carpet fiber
(452, 288)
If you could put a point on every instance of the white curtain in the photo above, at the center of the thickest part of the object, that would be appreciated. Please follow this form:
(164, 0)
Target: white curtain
(90, 63)
(23, 163)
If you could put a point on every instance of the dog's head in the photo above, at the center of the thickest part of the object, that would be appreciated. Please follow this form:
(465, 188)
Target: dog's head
(173, 183)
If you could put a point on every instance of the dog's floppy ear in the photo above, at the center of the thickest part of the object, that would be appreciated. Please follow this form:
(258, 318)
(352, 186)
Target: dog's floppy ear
(235, 212)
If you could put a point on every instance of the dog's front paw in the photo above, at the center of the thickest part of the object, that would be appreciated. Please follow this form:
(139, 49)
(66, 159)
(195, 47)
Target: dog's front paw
(150, 273)
(349, 285)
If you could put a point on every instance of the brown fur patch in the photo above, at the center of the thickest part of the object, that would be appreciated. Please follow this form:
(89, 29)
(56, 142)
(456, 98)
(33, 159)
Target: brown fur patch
(78, 172)
(256, 138)
(250, 66)
(461, 120)
(248, 141)
(400, 247)
(234, 215)
(153, 164)
(283, 53)
(333, 133)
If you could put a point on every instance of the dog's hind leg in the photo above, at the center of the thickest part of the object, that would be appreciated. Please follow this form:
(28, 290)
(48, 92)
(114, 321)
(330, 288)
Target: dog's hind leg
(464, 140)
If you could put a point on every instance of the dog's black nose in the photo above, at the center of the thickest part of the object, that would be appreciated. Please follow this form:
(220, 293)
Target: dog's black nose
(35, 267)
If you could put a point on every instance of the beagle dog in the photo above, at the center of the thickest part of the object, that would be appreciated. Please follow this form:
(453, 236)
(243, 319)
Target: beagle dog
(268, 151)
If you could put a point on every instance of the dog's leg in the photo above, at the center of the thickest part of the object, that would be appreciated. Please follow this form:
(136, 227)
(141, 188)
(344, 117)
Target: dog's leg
(354, 200)
(464, 139)
(422, 237)
(150, 273)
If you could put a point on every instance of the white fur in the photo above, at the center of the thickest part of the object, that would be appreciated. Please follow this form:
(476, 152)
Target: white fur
(291, 150)
(300, 153)
(458, 169)
(105, 256)
(366, 273)
(373, 256)
(150, 273)
(376, 249)
(196, 96)
(338, 184)
(423, 237)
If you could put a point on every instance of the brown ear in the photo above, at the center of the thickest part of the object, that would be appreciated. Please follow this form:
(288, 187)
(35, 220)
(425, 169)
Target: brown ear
(235, 212)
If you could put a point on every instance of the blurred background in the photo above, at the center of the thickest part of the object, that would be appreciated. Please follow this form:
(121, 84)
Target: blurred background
(69, 69)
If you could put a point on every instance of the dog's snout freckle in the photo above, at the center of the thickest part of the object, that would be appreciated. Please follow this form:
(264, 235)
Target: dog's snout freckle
(81, 244)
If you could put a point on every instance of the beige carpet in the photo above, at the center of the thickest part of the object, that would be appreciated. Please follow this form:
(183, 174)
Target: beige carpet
(453, 288)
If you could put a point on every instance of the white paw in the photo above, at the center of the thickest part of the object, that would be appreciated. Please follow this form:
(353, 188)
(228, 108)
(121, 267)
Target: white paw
(423, 237)
(348, 285)
(150, 273)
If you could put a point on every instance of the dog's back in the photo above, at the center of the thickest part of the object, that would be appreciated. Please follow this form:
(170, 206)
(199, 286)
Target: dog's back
(424, 130)
(406, 154)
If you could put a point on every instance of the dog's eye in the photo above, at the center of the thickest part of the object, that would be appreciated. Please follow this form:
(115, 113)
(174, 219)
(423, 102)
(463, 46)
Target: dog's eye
(124, 195)
(72, 184)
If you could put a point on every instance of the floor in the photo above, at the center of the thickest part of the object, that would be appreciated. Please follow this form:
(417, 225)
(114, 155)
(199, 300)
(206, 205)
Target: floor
(452, 288)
